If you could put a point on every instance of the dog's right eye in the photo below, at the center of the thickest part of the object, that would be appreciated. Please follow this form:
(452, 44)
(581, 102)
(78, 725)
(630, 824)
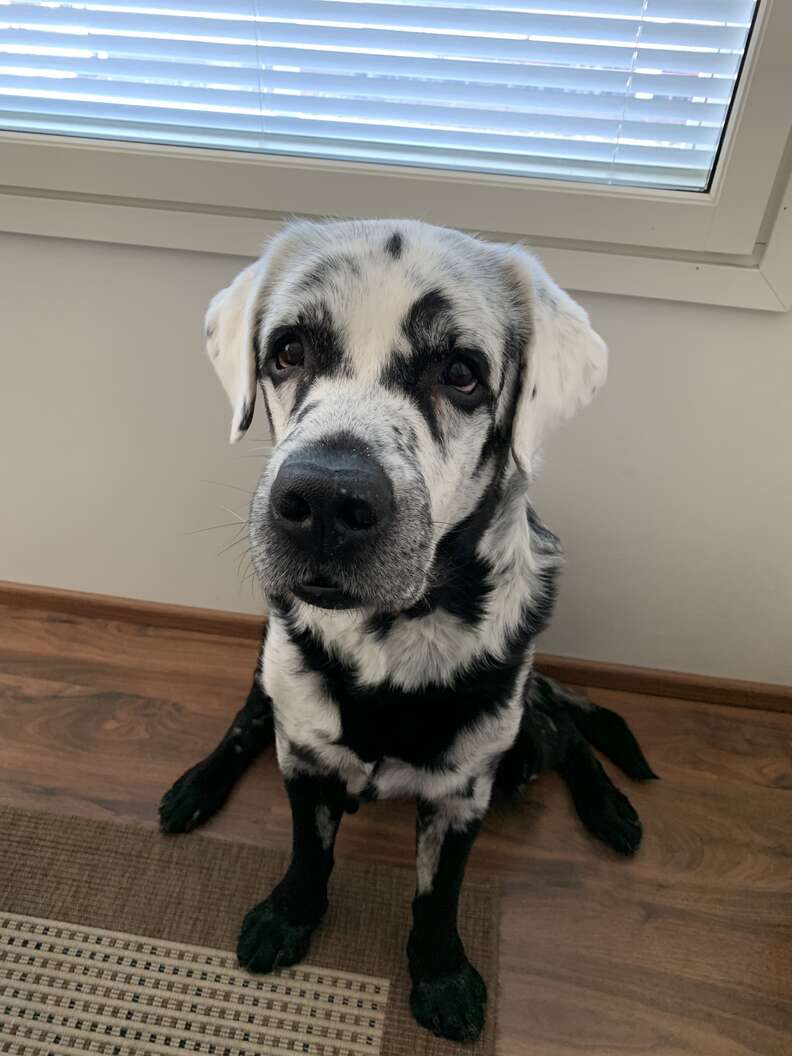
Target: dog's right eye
(289, 352)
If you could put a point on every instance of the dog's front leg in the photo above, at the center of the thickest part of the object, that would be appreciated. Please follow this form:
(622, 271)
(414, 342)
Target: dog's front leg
(448, 995)
(203, 789)
(277, 932)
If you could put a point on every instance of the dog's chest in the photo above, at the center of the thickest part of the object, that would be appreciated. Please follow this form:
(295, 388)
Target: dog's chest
(383, 738)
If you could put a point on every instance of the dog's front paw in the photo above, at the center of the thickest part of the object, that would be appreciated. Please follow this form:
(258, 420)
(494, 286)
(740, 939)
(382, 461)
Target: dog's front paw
(451, 1006)
(192, 800)
(268, 940)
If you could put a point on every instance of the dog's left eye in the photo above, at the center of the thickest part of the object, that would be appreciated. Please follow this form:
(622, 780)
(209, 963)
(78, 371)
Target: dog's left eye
(459, 375)
(290, 352)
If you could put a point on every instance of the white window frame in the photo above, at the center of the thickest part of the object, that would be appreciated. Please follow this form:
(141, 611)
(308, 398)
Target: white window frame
(731, 245)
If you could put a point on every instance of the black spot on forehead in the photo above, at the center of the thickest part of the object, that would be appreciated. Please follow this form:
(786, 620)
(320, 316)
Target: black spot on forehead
(394, 245)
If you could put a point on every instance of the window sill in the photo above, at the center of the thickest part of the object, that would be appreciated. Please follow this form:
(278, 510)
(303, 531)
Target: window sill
(761, 281)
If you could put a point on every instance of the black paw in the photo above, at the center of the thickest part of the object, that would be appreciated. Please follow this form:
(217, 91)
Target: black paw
(609, 815)
(451, 1006)
(268, 940)
(192, 800)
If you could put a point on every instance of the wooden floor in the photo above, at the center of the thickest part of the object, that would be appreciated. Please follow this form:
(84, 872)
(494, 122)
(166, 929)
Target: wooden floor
(686, 949)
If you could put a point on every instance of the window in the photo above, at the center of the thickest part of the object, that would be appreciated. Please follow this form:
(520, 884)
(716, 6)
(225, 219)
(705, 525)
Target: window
(654, 139)
(621, 92)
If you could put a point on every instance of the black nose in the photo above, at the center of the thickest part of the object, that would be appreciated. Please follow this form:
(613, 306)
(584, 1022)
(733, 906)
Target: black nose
(329, 500)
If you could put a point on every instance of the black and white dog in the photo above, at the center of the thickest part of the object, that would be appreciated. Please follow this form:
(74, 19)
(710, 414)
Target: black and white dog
(409, 375)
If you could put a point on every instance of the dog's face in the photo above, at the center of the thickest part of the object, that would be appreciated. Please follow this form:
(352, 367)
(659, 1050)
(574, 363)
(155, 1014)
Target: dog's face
(404, 369)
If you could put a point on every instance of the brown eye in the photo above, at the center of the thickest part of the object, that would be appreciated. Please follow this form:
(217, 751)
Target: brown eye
(460, 376)
(290, 353)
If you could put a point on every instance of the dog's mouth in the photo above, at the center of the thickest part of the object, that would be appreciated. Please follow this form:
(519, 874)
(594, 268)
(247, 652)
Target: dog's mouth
(324, 593)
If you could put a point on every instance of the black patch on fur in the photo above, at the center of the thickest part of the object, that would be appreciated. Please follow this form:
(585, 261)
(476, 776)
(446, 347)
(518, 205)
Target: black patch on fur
(305, 410)
(380, 624)
(419, 725)
(324, 350)
(247, 414)
(324, 270)
(305, 754)
(427, 320)
(323, 340)
(257, 350)
(459, 576)
(497, 445)
(268, 411)
(394, 245)
(428, 327)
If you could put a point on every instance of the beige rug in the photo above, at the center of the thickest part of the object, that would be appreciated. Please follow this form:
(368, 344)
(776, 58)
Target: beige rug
(117, 941)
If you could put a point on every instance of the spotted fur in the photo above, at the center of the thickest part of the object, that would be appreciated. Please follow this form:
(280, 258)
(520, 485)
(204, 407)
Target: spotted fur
(422, 688)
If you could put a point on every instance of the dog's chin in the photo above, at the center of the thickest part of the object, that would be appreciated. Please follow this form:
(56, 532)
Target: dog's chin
(324, 594)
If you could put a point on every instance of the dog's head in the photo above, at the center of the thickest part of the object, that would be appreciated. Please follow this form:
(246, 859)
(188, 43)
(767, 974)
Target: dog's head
(404, 369)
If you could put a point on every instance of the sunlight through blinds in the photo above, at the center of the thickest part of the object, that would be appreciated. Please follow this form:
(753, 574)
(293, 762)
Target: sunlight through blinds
(631, 92)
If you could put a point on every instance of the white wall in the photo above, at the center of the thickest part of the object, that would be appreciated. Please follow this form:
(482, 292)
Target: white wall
(672, 493)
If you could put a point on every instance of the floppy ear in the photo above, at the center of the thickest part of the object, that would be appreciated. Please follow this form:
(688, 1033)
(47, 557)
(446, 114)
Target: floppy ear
(230, 320)
(231, 323)
(565, 364)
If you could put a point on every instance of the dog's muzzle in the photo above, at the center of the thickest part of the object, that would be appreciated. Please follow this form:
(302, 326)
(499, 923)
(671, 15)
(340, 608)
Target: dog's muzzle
(330, 504)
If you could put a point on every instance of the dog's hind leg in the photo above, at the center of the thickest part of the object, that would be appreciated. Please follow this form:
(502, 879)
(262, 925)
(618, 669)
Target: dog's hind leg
(556, 732)
(605, 811)
(203, 789)
(604, 729)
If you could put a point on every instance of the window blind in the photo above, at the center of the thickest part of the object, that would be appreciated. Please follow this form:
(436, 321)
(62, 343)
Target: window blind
(631, 92)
